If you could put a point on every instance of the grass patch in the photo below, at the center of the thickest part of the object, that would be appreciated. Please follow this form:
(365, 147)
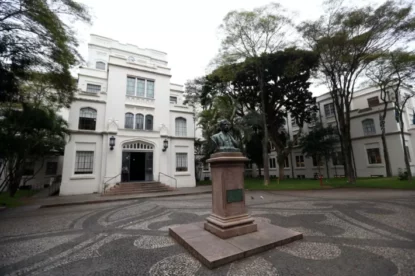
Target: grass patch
(311, 184)
(6, 200)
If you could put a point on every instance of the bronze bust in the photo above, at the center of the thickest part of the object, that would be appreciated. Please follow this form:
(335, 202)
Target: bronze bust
(223, 140)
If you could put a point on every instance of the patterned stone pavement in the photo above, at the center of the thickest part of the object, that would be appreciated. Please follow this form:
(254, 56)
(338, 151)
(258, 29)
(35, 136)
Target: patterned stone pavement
(346, 232)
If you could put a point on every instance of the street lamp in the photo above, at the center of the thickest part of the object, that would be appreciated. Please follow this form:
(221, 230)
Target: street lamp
(165, 144)
(112, 143)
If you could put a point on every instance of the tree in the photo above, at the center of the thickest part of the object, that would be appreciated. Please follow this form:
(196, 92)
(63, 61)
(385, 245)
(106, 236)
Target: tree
(248, 34)
(34, 38)
(27, 133)
(347, 40)
(254, 151)
(393, 74)
(320, 143)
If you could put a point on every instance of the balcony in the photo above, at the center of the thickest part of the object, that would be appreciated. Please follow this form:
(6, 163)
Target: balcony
(94, 73)
(139, 101)
(181, 108)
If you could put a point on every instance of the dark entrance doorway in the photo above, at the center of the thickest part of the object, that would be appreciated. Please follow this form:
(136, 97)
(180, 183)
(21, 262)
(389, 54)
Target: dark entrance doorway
(139, 166)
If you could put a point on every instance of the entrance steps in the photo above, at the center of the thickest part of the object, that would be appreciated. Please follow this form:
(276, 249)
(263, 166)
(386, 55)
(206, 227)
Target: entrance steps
(128, 188)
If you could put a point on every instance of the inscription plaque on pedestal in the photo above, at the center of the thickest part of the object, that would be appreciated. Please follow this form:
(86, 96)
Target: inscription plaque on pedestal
(236, 195)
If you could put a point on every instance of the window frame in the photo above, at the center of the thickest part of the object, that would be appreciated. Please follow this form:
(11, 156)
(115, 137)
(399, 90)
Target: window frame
(301, 162)
(131, 117)
(85, 170)
(371, 99)
(369, 160)
(84, 123)
(93, 89)
(55, 168)
(180, 130)
(100, 62)
(185, 157)
(330, 109)
(137, 116)
(317, 163)
(272, 163)
(146, 122)
(175, 101)
(368, 129)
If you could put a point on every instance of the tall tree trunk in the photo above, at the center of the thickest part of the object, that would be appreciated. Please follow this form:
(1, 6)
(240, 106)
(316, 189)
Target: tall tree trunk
(348, 157)
(280, 172)
(264, 121)
(405, 153)
(382, 119)
(292, 165)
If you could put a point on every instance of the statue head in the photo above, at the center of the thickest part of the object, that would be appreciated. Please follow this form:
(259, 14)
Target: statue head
(225, 125)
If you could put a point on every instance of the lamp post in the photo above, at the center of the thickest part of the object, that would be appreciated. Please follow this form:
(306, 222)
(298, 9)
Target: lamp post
(165, 144)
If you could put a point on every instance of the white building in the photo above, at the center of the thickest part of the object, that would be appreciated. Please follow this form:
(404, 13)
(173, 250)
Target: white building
(366, 139)
(125, 94)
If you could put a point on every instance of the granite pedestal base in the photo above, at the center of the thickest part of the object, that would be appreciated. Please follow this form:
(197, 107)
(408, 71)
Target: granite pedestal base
(213, 251)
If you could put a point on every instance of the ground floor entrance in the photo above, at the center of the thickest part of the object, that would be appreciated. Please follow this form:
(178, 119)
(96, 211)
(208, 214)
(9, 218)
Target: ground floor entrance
(137, 166)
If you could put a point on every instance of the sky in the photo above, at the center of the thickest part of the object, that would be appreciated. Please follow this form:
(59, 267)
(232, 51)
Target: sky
(187, 30)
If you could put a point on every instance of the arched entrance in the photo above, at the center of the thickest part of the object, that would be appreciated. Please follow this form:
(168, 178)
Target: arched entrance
(137, 161)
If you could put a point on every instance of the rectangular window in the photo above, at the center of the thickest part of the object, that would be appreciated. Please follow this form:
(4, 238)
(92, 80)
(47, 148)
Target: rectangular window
(93, 88)
(317, 162)
(84, 162)
(286, 163)
(408, 152)
(181, 162)
(181, 129)
(29, 168)
(130, 86)
(374, 101)
(173, 100)
(51, 168)
(140, 88)
(299, 161)
(150, 89)
(329, 110)
(272, 163)
(337, 158)
(373, 155)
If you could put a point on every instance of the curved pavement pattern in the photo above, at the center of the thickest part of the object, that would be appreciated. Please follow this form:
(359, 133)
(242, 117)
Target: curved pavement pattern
(346, 232)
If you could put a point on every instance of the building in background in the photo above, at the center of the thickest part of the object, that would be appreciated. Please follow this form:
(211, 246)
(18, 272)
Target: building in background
(127, 117)
(366, 139)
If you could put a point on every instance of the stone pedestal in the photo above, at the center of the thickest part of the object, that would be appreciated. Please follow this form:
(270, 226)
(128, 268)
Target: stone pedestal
(229, 216)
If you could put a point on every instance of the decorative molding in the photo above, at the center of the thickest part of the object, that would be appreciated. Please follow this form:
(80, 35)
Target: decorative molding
(139, 69)
(137, 146)
(92, 132)
(89, 100)
(380, 135)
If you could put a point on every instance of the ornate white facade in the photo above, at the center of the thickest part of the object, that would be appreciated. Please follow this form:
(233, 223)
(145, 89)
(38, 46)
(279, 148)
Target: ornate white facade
(125, 94)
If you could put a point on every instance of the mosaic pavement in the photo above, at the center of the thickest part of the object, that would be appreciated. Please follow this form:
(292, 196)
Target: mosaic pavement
(350, 233)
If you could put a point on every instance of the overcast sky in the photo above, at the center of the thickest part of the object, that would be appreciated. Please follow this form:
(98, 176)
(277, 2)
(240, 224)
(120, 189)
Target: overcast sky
(187, 30)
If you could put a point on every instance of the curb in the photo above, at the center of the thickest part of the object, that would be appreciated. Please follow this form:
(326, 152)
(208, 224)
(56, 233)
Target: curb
(118, 199)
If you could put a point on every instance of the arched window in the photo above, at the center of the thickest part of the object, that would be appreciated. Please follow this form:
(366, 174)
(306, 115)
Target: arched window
(368, 127)
(100, 65)
(181, 128)
(139, 121)
(87, 118)
(129, 120)
(149, 122)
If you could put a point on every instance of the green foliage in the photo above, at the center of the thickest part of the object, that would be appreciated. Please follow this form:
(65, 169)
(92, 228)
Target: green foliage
(254, 150)
(403, 174)
(34, 38)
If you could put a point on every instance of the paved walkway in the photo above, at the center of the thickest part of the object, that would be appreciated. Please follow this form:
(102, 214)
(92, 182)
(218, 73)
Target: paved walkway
(55, 201)
(346, 232)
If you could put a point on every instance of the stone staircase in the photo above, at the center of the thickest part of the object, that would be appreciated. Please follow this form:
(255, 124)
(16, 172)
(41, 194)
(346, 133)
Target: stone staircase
(128, 188)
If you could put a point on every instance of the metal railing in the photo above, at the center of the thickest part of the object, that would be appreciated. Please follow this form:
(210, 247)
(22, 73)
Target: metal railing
(175, 180)
(105, 188)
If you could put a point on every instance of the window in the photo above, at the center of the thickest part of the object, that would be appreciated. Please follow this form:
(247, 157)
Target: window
(93, 88)
(181, 162)
(100, 65)
(295, 139)
(150, 89)
(140, 87)
(368, 127)
(87, 118)
(373, 155)
(130, 86)
(129, 120)
(317, 162)
(181, 129)
(139, 121)
(272, 163)
(149, 122)
(286, 163)
(329, 110)
(374, 101)
(299, 161)
(84, 162)
(51, 168)
(29, 168)
(173, 100)
(337, 158)
(407, 151)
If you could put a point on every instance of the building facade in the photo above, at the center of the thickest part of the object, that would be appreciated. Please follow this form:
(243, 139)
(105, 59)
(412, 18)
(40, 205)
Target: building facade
(368, 152)
(127, 117)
